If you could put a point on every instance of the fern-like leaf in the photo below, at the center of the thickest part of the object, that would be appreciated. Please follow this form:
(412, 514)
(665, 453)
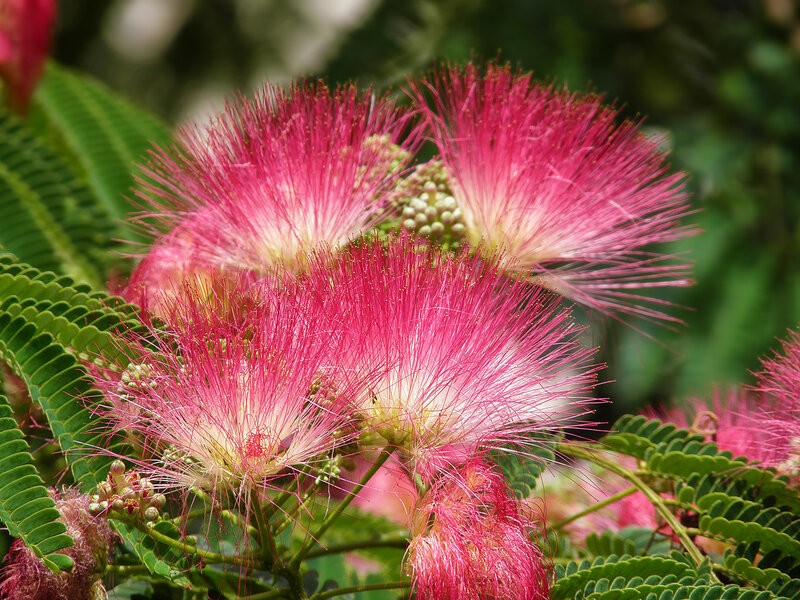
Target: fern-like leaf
(26, 508)
(106, 134)
(49, 218)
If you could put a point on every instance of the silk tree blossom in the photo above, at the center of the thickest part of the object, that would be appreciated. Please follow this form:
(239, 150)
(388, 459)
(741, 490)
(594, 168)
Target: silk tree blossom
(780, 379)
(25, 35)
(275, 177)
(232, 400)
(457, 355)
(570, 197)
(471, 541)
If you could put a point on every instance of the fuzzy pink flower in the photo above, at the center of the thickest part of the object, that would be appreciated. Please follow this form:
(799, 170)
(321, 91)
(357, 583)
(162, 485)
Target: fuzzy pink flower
(458, 356)
(233, 399)
(25, 577)
(781, 380)
(471, 541)
(734, 421)
(274, 178)
(25, 30)
(571, 198)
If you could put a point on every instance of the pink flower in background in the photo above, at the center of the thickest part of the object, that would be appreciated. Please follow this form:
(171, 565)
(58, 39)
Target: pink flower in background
(233, 399)
(571, 198)
(25, 31)
(274, 178)
(457, 355)
(780, 379)
(25, 577)
(471, 541)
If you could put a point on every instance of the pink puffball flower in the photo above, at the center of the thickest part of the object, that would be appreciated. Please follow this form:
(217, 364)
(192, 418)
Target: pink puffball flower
(571, 198)
(25, 32)
(471, 541)
(273, 178)
(456, 355)
(780, 379)
(232, 399)
(25, 577)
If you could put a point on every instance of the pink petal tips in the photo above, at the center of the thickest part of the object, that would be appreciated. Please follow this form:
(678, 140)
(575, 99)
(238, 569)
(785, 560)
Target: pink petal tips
(456, 355)
(272, 179)
(571, 198)
(232, 399)
(471, 541)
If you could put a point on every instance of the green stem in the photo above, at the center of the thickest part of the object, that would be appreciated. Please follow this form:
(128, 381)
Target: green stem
(313, 539)
(269, 552)
(595, 507)
(388, 542)
(206, 555)
(267, 595)
(126, 570)
(655, 499)
(371, 587)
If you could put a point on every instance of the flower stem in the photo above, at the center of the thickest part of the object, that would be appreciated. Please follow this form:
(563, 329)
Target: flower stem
(655, 499)
(595, 507)
(371, 587)
(269, 553)
(207, 555)
(335, 514)
(400, 542)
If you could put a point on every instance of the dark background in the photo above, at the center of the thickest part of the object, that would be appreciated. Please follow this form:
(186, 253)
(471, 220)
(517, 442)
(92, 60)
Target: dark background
(722, 77)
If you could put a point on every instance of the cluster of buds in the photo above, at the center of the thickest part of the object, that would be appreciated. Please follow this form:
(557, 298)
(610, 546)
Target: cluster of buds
(127, 493)
(137, 376)
(428, 207)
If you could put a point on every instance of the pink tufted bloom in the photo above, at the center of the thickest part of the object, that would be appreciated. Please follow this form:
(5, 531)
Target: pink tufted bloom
(232, 399)
(780, 379)
(734, 422)
(275, 177)
(570, 197)
(25, 577)
(471, 541)
(457, 355)
(25, 30)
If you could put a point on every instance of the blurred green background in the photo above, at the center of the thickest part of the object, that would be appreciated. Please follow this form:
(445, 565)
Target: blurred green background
(722, 77)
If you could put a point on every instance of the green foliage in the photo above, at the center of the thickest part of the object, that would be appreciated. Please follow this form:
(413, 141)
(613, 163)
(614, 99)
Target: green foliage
(105, 134)
(44, 323)
(26, 508)
(750, 513)
(49, 218)
(161, 560)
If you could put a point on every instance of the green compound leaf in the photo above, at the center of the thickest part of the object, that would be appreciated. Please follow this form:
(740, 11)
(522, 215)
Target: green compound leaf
(49, 218)
(26, 508)
(160, 559)
(577, 579)
(106, 134)
(62, 388)
(83, 323)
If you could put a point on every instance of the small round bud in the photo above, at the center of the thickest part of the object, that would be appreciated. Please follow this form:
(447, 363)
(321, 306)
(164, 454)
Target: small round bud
(446, 217)
(117, 468)
(431, 212)
(150, 513)
(425, 230)
(458, 229)
(117, 504)
(409, 212)
(437, 229)
(159, 501)
(94, 509)
(409, 224)
(421, 219)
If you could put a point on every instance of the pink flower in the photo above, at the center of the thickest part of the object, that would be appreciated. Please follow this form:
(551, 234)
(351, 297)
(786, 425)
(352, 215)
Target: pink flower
(571, 198)
(25, 577)
(734, 422)
(276, 177)
(457, 355)
(780, 379)
(471, 541)
(25, 29)
(232, 399)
